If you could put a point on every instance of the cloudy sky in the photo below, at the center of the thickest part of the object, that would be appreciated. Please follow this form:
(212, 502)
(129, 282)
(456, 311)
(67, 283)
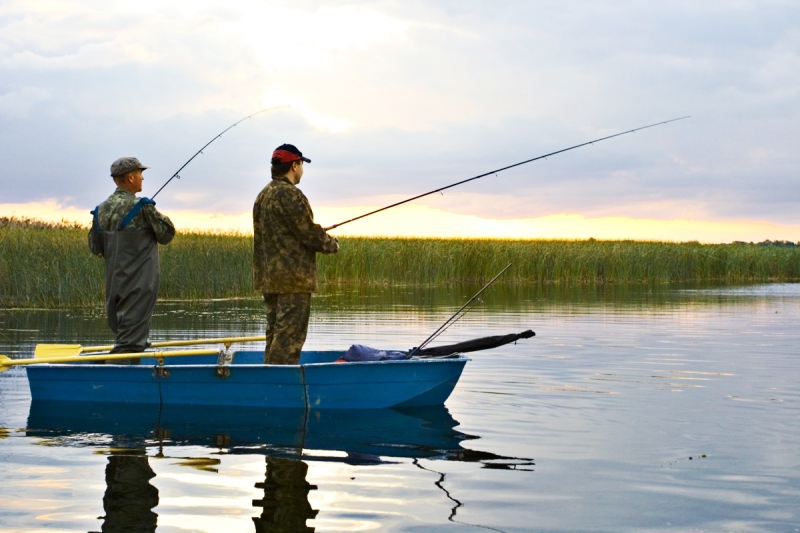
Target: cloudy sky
(394, 98)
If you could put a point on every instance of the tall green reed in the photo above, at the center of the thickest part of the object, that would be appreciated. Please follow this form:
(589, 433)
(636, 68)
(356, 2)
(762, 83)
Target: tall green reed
(429, 261)
(49, 265)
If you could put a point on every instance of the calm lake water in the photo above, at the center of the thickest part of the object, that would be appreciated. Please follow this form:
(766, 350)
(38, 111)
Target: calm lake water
(633, 409)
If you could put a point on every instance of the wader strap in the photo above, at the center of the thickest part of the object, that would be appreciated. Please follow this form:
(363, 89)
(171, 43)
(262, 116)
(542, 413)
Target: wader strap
(135, 211)
(96, 219)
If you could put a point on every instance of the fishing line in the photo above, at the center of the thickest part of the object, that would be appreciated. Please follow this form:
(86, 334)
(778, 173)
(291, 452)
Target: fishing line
(454, 510)
(502, 169)
(200, 151)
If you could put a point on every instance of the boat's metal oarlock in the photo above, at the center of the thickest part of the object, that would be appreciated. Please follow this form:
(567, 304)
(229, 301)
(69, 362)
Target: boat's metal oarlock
(224, 359)
(225, 356)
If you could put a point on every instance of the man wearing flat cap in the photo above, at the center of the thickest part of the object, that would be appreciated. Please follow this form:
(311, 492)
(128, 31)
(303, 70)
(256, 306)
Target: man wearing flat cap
(126, 231)
(286, 243)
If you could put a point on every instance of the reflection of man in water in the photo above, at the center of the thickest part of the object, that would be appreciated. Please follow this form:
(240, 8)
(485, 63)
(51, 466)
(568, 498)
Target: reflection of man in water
(130, 498)
(285, 502)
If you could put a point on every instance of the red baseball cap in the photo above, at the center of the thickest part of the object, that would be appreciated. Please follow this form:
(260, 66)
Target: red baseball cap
(286, 153)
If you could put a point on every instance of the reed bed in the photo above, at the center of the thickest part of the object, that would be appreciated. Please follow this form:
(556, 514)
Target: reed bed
(207, 265)
(434, 261)
(48, 265)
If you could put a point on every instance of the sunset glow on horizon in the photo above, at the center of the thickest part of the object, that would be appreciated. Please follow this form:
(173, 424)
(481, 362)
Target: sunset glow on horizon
(412, 221)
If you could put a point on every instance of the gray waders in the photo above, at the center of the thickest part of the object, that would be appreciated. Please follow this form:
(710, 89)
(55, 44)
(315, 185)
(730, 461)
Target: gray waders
(132, 276)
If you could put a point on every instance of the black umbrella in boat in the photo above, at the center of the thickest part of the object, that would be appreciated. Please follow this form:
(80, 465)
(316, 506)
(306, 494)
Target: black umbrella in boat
(474, 345)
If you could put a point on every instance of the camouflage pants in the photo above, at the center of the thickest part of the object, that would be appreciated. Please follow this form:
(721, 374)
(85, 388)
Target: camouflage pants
(287, 325)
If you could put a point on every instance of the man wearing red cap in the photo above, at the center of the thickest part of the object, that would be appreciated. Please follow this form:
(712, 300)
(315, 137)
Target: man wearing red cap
(286, 242)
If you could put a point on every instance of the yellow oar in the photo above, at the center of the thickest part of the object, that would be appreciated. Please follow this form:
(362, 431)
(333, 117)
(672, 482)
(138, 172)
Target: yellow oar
(7, 362)
(49, 351)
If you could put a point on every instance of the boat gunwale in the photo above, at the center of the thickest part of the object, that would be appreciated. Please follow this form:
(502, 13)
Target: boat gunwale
(256, 365)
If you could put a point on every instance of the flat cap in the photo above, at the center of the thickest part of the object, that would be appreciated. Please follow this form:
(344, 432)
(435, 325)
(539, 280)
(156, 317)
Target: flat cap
(123, 165)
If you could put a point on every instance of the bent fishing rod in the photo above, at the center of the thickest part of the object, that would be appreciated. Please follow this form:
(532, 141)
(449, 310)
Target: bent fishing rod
(502, 169)
(200, 151)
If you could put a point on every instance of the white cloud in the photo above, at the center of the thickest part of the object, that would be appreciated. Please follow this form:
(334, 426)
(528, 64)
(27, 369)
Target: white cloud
(276, 98)
(394, 98)
(18, 104)
(311, 38)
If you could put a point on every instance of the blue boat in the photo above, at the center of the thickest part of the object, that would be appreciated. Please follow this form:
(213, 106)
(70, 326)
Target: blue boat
(318, 382)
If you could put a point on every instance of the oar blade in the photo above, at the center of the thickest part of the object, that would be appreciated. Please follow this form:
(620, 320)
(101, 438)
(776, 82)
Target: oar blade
(48, 351)
(4, 363)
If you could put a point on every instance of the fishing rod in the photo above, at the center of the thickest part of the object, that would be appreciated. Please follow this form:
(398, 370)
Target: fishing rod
(500, 170)
(453, 319)
(200, 151)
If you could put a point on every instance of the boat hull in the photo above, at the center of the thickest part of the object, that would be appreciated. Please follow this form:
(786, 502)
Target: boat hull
(317, 383)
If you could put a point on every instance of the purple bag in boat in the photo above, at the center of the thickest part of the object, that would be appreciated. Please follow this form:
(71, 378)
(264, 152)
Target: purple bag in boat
(359, 352)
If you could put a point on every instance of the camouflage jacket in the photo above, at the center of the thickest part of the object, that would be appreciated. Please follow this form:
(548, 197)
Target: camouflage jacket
(112, 212)
(286, 240)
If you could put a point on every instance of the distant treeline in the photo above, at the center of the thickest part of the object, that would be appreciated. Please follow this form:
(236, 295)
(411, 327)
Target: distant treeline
(49, 265)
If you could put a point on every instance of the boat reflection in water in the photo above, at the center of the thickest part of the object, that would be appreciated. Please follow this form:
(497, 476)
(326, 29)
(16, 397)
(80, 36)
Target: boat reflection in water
(288, 438)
